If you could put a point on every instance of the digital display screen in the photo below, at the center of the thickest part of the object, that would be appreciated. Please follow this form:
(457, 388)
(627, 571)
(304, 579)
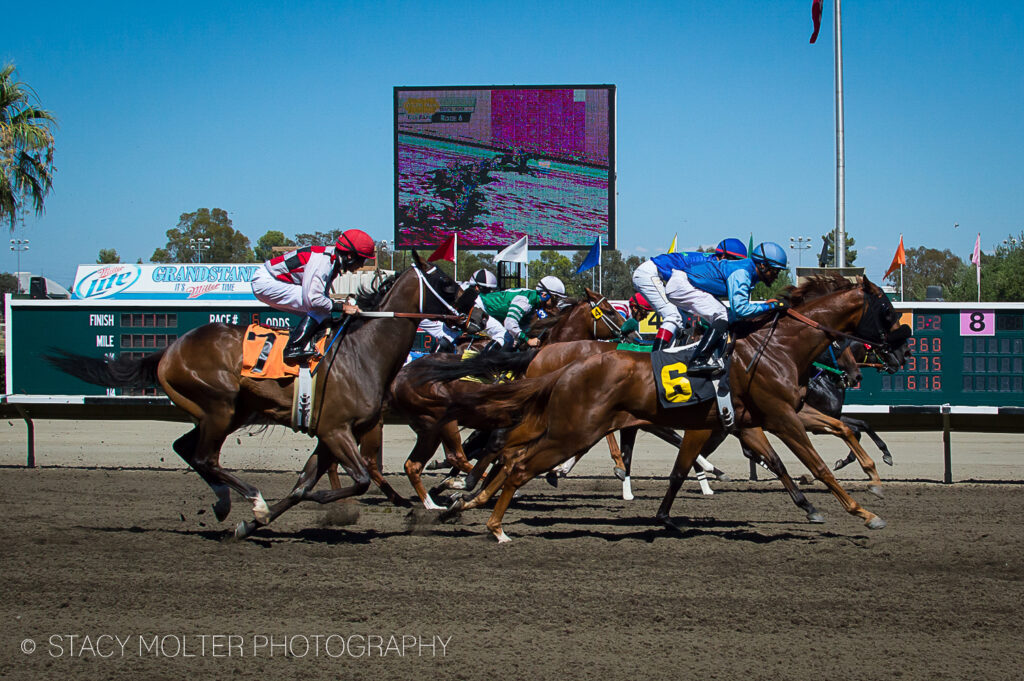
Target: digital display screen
(493, 164)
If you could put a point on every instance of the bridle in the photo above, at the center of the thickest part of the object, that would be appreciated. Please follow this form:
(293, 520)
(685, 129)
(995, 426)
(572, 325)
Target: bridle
(599, 315)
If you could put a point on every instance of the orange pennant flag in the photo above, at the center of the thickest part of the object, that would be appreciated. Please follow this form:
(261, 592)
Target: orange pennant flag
(899, 259)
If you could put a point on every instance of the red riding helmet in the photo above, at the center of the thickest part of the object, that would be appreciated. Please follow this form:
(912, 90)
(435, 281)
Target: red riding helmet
(638, 300)
(357, 242)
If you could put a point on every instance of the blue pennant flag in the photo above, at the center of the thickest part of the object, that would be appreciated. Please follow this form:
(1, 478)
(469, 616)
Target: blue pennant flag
(593, 258)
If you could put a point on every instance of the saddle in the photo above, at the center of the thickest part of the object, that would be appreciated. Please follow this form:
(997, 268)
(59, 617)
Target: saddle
(676, 388)
(263, 352)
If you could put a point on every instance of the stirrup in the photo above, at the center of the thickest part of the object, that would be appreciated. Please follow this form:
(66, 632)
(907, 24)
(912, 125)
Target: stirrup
(712, 367)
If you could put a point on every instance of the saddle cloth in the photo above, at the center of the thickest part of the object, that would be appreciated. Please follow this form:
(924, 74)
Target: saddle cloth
(675, 387)
(263, 353)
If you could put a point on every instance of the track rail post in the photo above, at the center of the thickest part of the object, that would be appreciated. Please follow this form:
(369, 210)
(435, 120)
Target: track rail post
(31, 460)
(947, 454)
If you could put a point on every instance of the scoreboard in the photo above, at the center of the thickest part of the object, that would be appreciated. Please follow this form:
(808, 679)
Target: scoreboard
(106, 328)
(963, 354)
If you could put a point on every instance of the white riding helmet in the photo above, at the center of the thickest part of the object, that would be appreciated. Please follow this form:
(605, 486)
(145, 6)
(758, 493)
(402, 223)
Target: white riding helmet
(484, 279)
(551, 286)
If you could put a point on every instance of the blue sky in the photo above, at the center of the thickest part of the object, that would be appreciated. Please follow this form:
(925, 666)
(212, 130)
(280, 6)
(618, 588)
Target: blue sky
(280, 113)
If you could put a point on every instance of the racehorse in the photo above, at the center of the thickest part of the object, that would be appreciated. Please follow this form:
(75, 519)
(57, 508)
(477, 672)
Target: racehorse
(553, 417)
(422, 405)
(200, 372)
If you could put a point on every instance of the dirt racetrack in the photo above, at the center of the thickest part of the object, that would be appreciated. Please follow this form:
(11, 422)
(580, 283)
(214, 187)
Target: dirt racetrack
(125, 574)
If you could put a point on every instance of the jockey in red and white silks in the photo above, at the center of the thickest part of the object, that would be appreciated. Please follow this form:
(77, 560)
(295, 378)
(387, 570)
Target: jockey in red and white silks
(300, 281)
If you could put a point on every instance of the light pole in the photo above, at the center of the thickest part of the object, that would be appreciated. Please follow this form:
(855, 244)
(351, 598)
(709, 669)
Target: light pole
(19, 245)
(800, 244)
(199, 244)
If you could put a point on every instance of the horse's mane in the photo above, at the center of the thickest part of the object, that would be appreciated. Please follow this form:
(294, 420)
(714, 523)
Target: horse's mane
(813, 288)
(371, 297)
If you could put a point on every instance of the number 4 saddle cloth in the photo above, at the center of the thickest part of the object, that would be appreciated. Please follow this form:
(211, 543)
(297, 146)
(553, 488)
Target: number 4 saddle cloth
(263, 353)
(675, 387)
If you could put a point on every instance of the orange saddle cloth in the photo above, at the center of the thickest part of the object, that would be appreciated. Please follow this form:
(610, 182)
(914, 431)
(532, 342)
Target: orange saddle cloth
(263, 353)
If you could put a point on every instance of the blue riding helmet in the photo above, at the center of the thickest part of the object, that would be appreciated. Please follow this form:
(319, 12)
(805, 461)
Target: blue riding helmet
(770, 254)
(731, 249)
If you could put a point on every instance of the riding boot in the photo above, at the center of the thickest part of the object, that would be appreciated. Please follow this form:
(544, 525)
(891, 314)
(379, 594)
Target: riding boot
(299, 347)
(663, 339)
(707, 356)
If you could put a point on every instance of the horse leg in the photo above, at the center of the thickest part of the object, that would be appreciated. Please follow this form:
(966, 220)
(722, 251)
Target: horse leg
(616, 454)
(316, 465)
(212, 430)
(452, 443)
(794, 435)
(818, 422)
(370, 449)
(185, 447)
(754, 442)
(688, 451)
(426, 444)
(859, 426)
(628, 438)
(332, 475)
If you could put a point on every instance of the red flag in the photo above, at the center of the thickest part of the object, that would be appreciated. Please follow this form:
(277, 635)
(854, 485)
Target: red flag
(816, 18)
(445, 252)
(899, 259)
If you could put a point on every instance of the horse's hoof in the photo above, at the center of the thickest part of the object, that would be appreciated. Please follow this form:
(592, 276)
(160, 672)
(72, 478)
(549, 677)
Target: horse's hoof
(722, 477)
(887, 458)
(429, 504)
(876, 523)
(816, 517)
(260, 510)
(455, 483)
(244, 529)
(221, 509)
(839, 464)
(667, 522)
(620, 473)
(552, 478)
(502, 537)
(876, 490)
(453, 510)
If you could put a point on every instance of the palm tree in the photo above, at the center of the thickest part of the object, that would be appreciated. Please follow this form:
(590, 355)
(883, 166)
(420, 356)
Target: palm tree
(26, 148)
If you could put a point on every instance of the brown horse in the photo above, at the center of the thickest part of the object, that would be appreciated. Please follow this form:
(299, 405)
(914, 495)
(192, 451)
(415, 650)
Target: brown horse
(556, 416)
(422, 405)
(200, 372)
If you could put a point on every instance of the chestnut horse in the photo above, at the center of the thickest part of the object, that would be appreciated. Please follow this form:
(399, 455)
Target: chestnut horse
(555, 416)
(200, 372)
(422, 405)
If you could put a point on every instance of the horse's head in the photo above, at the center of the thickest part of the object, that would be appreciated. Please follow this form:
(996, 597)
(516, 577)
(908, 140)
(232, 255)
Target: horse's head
(437, 291)
(606, 320)
(880, 325)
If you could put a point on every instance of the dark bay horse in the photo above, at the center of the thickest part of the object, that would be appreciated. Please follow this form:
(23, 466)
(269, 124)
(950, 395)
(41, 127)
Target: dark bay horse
(422, 405)
(200, 372)
(560, 414)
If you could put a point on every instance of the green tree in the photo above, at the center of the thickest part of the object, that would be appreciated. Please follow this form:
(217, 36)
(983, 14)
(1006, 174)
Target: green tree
(8, 283)
(763, 291)
(318, 238)
(225, 244)
(830, 255)
(1002, 280)
(928, 267)
(26, 148)
(108, 256)
(267, 242)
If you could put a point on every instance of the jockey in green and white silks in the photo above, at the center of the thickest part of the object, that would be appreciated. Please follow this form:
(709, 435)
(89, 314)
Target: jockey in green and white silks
(507, 309)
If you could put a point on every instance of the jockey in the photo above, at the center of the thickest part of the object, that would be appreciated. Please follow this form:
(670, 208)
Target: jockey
(505, 309)
(674, 282)
(300, 281)
(482, 281)
(639, 308)
(730, 249)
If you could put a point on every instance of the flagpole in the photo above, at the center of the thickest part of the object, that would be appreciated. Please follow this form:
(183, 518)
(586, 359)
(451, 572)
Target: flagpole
(455, 258)
(600, 267)
(901, 282)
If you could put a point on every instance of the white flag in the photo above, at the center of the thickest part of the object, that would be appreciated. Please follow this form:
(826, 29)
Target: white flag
(517, 252)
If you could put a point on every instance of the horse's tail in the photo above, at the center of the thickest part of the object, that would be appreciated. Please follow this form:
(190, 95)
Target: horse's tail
(487, 365)
(111, 373)
(503, 405)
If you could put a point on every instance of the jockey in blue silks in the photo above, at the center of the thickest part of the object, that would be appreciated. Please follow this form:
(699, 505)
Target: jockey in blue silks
(691, 281)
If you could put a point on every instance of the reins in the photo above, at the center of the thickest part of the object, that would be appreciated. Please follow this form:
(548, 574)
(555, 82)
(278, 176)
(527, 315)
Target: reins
(828, 330)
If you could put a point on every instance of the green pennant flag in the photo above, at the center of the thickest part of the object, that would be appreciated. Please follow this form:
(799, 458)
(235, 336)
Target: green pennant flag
(750, 245)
